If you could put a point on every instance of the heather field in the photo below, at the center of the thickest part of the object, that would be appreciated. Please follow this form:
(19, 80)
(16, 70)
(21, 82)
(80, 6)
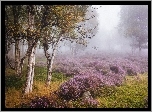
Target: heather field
(88, 81)
(76, 56)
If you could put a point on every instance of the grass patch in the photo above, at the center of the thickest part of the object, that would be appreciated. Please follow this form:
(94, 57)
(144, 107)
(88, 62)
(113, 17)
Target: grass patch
(12, 81)
(41, 75)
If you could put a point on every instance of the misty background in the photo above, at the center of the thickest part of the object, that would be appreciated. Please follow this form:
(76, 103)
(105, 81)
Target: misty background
(108, 39)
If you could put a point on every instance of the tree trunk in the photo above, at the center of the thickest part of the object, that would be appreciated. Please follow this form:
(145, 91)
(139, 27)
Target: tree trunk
(32, 43)
(49, 67)
(50, 59)
(30, 71)
(17, 58)
(11, 54)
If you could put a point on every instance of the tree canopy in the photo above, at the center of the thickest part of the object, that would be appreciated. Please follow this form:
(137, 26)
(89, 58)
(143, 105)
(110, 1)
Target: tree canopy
(47, 25)
(134, 24)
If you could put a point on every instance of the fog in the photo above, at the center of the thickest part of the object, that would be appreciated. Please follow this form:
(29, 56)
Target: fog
(107, 39)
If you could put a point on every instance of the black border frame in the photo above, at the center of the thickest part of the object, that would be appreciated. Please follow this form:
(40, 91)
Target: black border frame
(3, 3)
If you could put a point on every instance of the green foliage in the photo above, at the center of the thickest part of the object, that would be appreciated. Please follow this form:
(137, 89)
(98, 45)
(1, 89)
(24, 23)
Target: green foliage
(126, 96)
(58, 77)
(12, 81)
(81, 103)
(104, 91)
(40, 73)
(77, 104)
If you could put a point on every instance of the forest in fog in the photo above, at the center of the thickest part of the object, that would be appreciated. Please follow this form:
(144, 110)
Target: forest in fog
(76, 56)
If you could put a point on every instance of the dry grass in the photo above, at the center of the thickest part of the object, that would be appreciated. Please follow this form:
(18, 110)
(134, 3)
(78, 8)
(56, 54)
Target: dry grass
(14, 98)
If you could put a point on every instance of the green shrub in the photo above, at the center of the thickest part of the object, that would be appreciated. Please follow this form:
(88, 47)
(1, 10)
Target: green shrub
(130, 95)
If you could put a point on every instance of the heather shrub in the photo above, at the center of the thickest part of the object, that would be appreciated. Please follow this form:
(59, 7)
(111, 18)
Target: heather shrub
(100, 76)
(40, 102)
(104, 71)
(44, 102)
(75, 87)
(59, 103)
(114, 69)
(103, 65)
(93, 75)
(67, 68)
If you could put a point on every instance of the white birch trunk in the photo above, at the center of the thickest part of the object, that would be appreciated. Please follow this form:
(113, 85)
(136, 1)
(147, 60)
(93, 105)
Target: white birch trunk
(31, 55)
(30, 73)
(50, 60)
(50, 66)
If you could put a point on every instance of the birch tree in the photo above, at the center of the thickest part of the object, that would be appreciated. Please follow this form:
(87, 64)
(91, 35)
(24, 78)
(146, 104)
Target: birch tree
(37, 24)
(65, 27)
(21, 25)
(12, 34)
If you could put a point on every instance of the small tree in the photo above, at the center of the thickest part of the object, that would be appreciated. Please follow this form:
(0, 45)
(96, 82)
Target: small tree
(65, 27)
(12, 33)
(134, 24)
